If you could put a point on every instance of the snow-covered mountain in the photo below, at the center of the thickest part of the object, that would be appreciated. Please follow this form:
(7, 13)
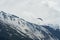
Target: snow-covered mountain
(15, 28)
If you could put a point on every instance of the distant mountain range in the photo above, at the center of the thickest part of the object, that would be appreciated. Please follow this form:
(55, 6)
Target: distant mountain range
(14, 28)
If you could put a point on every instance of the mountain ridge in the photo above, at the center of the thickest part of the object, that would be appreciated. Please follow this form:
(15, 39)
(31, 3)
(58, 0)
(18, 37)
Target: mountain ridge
(33, 31)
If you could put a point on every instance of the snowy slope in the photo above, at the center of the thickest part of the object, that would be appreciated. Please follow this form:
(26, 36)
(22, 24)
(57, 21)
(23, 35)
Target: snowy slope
(34, 31)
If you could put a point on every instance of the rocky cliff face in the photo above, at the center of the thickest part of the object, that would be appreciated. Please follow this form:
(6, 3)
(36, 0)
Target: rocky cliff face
(15, 28)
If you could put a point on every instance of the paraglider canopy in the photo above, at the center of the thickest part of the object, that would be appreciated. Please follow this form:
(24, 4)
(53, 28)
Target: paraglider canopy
(40, 19)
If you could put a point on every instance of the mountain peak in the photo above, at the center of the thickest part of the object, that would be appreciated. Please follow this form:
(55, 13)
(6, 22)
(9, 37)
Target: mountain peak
(2, 12)
(5, 15)
(33, 31)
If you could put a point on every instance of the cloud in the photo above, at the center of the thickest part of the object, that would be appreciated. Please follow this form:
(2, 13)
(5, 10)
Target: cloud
(30, 9)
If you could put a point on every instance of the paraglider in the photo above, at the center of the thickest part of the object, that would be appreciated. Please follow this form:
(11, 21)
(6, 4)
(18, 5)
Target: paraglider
(40, 19)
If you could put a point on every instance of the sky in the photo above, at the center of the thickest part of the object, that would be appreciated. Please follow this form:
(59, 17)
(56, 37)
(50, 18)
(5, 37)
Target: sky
(30, 10)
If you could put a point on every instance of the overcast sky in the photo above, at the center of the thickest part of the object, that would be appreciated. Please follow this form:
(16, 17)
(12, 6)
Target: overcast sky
(48, 10)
